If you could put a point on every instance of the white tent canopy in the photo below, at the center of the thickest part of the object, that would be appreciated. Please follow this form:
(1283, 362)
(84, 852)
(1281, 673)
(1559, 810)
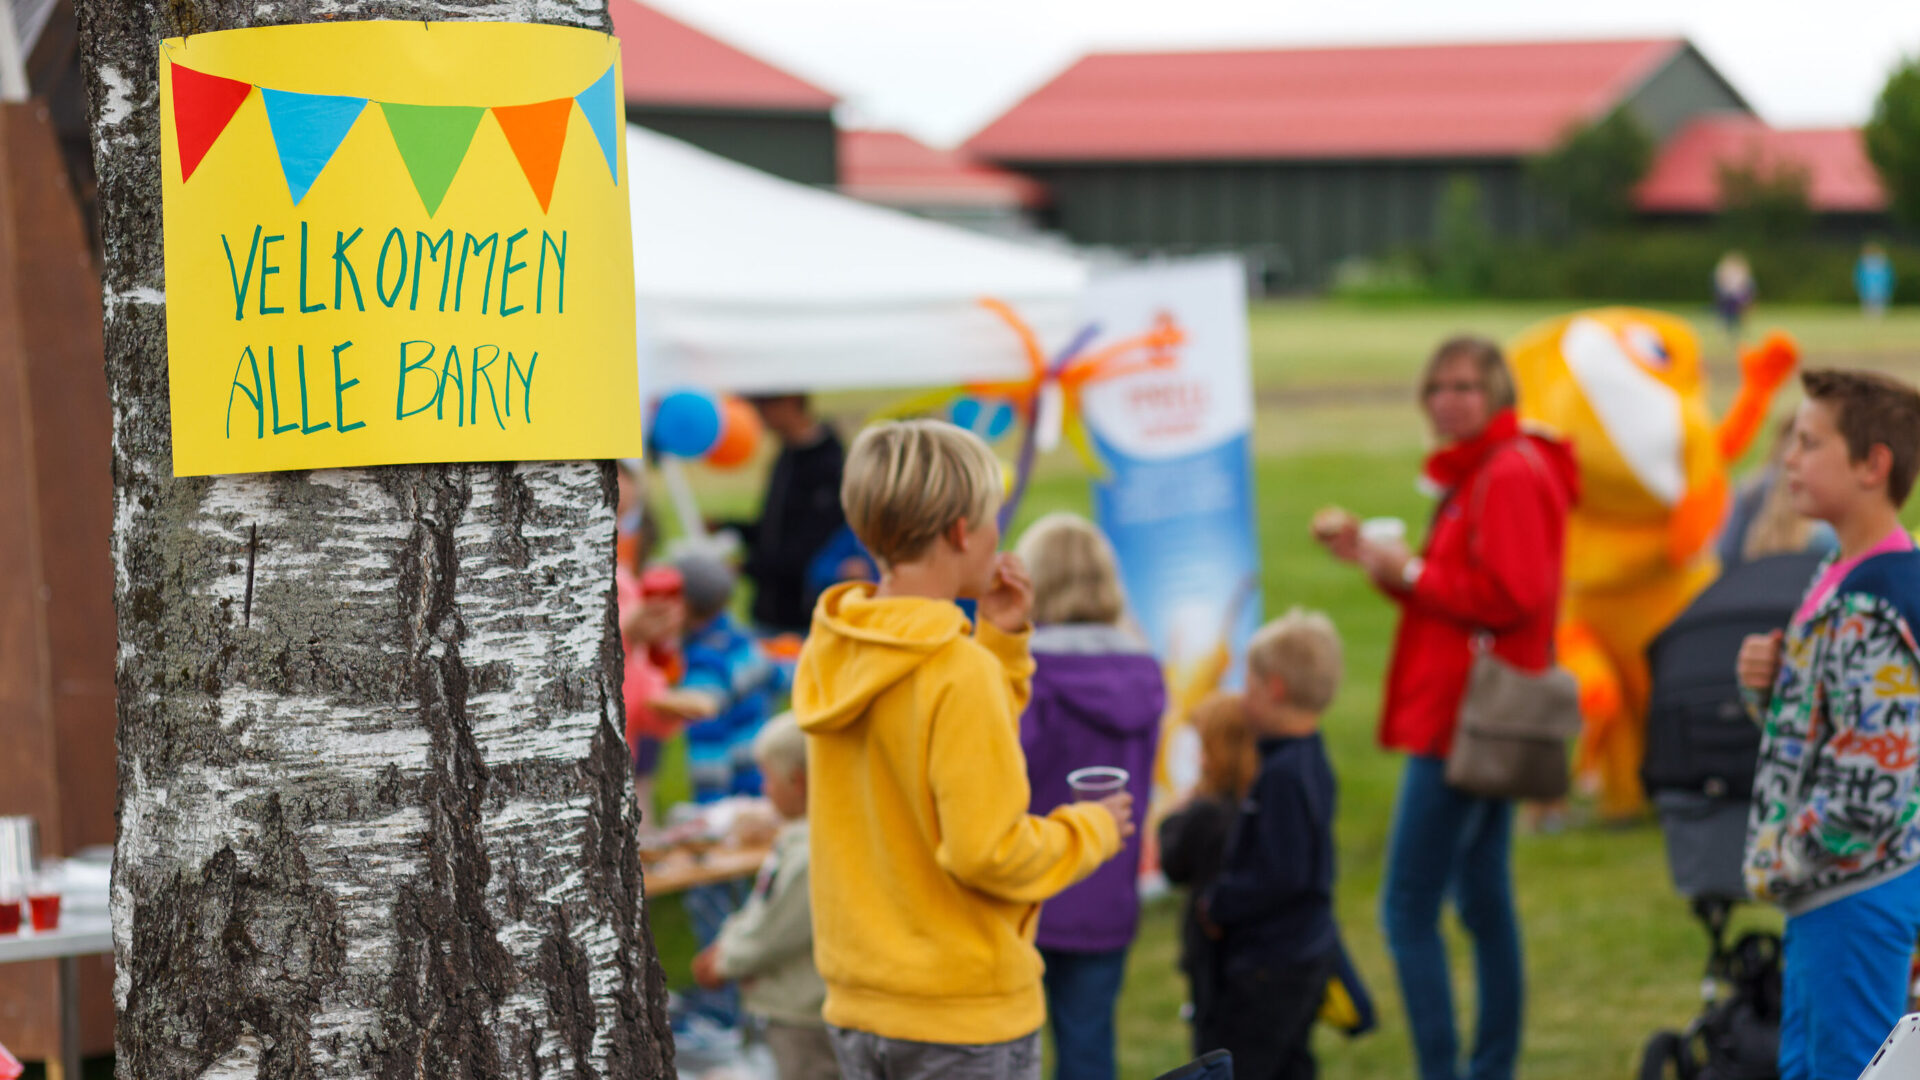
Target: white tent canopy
(750, 283)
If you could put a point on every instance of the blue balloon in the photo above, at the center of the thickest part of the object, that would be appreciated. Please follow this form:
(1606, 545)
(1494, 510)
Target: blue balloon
(687, 423)
(989, 418)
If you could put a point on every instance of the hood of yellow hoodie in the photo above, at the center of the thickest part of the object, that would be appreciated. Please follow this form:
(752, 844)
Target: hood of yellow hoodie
(861, 645)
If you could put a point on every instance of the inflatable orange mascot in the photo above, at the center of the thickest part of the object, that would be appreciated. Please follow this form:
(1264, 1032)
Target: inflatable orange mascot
(1628, 388)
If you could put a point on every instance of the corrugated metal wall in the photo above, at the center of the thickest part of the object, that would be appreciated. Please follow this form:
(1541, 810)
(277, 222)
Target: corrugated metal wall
(796, 146)
(1298, 219)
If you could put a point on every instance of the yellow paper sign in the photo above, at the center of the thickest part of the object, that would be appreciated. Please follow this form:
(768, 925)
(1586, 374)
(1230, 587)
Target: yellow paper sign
(396, 242)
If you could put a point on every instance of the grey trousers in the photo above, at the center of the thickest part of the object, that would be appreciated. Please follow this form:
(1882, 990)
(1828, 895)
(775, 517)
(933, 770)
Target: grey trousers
(801, 1053)
(865, 1056)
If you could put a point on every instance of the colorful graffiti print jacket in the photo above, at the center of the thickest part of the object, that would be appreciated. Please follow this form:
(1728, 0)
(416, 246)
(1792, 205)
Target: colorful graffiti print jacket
(1838, 786)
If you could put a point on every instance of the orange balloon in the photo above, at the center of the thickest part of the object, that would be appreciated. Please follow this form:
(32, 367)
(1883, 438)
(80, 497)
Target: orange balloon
(739, 434)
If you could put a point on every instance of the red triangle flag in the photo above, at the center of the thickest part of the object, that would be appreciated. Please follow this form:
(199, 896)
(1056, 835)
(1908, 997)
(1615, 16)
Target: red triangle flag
(202, 107)
(536, 133)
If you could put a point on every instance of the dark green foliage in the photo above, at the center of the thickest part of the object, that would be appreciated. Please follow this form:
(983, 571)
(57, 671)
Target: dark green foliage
(1765, 202)
(1594, 169)
(1463, 242)
(1893, 140)
(1656, 264)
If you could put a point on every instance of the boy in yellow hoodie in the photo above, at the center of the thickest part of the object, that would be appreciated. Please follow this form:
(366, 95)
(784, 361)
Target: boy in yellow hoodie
(928, 872)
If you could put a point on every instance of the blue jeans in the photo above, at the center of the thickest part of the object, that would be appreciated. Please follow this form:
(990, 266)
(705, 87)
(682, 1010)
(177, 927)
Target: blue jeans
(708, 907)
(1446, 843)
(1082, 988)
(1845, 981)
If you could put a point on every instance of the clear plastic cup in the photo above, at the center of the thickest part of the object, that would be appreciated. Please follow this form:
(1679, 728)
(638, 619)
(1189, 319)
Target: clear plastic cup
(1096, 782)
(1383, 530)
(43, 901)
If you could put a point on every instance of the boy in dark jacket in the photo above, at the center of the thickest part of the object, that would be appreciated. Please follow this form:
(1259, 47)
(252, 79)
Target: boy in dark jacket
(1271, 909)
(1834, 832)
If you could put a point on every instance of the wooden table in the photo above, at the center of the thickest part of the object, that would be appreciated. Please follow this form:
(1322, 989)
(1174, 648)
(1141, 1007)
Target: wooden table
(711, 868)
(80, 934)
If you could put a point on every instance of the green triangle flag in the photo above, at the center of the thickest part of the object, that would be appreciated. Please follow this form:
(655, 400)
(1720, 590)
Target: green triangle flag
(433, 140)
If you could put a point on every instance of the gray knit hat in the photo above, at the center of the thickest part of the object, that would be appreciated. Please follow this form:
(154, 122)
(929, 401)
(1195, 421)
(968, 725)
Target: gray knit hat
(707, 583)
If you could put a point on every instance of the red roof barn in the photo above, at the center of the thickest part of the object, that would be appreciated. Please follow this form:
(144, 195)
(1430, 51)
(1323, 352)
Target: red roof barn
(1685, 178)
(895, 169)
(1352, 103)
(1301, 158)
(684, 82)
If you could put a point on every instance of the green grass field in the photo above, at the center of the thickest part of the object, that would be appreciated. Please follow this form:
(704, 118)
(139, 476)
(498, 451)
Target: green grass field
(1612, 953)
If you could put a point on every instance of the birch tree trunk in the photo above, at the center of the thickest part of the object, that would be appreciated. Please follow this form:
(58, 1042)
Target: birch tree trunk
(374, 804)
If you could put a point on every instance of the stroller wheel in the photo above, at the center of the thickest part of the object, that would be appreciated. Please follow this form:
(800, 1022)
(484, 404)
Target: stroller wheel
(1666, 1058)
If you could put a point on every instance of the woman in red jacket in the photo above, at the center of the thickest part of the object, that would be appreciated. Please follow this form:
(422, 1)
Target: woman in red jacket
(1490, 571)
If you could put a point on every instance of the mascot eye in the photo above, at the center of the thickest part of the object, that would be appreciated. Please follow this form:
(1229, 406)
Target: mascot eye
(1646, 346)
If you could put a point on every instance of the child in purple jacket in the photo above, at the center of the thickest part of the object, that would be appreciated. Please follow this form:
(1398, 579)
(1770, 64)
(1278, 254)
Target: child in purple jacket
(1097, 700)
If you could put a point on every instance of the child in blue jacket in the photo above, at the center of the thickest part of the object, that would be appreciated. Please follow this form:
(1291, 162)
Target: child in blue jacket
(726, 665)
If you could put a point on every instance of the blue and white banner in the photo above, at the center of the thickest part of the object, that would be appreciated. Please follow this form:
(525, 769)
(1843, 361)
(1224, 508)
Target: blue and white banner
(1177, 498)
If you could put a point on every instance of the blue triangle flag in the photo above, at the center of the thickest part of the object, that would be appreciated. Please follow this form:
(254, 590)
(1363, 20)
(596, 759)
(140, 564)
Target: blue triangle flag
(307, 129)
(601, 105)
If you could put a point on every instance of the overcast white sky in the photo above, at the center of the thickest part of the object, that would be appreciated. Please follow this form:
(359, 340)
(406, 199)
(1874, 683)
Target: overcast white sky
(942, 68)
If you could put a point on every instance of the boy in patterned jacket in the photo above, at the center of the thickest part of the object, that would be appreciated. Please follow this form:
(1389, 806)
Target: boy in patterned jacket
(730, 676)
(1832, 834)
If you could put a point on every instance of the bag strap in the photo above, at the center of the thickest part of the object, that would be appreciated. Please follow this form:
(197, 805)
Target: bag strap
(1483, 639)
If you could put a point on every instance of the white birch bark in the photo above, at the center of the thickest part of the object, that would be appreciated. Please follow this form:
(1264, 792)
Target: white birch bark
(374, 805)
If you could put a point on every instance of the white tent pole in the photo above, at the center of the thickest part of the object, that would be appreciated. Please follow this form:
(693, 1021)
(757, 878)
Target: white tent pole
(680, 491)
(13, 68)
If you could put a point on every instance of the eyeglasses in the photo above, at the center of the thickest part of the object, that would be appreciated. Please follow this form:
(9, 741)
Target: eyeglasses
(1460, 386)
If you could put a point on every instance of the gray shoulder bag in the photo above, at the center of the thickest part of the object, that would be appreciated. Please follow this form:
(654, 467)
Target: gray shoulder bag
(1510, 741)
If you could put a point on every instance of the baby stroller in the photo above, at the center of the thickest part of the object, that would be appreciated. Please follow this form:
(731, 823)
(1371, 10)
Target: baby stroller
(1701, 751)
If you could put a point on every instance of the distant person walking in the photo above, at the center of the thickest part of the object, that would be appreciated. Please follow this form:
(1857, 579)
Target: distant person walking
(799, 515)
(1733, 291)
(1873, 280)
(1489, 577)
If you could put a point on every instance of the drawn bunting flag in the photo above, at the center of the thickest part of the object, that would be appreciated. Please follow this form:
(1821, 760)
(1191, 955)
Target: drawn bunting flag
(432, 139)
(363, 269)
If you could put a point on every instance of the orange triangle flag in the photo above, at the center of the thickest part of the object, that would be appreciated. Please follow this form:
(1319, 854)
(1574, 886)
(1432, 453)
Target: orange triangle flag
(536, 133)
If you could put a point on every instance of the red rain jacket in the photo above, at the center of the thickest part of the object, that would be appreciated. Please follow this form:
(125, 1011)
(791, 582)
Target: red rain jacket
(1494, 564)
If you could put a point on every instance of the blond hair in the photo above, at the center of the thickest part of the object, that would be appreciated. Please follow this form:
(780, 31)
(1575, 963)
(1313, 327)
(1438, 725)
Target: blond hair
(1075, 576)
(1302, 650)
(908, 482)
(1776, 528)
(781, 746)
(1229, 756)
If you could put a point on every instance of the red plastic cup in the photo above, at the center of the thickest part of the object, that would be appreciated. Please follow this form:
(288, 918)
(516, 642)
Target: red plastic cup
(44, 909)
(9, 917)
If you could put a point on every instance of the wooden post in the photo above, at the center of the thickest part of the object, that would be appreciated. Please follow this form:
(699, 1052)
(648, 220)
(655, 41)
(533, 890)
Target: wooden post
(56, 595)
